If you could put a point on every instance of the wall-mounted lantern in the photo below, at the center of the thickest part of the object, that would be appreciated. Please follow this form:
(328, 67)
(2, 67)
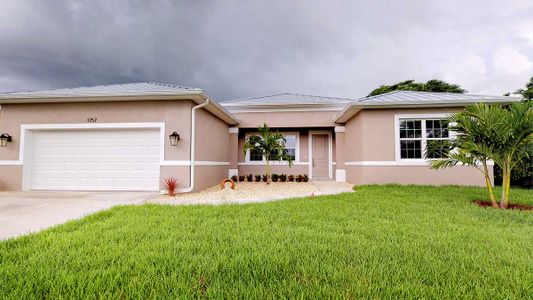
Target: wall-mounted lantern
(4, 139)
(174, 139)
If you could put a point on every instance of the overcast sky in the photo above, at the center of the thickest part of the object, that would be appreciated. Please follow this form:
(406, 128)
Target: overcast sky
(237, 49)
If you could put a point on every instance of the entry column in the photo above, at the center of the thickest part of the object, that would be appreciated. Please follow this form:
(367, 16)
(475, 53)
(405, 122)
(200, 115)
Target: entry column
(340, 171)
(233, 151)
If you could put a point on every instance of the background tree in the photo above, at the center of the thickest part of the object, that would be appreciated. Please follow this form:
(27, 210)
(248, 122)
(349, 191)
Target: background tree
(270, 144)
(527, 92)
(433, 85)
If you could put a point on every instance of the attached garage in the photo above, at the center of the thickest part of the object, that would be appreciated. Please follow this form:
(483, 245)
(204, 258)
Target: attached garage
(94, 159)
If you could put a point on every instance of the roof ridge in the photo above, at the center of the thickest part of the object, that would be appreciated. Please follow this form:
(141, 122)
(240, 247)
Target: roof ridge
(285, 93)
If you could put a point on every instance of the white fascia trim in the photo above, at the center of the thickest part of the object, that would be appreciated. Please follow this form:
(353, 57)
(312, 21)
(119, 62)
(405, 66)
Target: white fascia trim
(197, 163)
(340, 129)
(11, 163)
(234, 130)
(388, 163)
(233, 110)
(272, 163)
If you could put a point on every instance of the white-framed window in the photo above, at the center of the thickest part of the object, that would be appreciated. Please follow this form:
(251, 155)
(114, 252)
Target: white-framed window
(418, 134)
(291, 145)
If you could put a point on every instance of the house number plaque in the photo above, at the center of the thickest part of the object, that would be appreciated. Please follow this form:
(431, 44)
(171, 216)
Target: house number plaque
(91, 120)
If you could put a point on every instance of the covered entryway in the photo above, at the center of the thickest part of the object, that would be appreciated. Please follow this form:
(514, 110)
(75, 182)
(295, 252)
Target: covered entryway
(93, 159)
(320, 153)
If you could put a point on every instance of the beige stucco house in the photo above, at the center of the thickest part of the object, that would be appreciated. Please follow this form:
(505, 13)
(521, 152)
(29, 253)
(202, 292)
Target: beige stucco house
(124, 137)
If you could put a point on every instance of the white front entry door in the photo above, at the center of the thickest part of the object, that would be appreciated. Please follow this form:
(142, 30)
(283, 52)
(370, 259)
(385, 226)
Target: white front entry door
(95, 160)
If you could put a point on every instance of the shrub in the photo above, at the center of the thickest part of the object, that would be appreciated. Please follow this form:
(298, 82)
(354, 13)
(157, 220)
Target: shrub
(234, 178)
(257, 178)
(265, 178)
(171, 184)
(305, 178)
(291, 178)
(283, 177)
(250, 177)
(299, 178)
(275, 177)
(241, 178)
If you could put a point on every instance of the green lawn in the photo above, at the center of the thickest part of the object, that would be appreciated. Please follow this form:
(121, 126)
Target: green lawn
(380, 242)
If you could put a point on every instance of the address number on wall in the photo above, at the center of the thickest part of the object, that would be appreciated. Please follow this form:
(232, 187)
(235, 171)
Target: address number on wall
(91, 120)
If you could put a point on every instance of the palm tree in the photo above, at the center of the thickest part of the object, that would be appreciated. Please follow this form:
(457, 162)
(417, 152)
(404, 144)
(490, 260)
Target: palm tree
(475, 128)
(270, 144)
(515, 135)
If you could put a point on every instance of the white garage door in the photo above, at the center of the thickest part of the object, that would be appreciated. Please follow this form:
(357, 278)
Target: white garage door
(95, 160)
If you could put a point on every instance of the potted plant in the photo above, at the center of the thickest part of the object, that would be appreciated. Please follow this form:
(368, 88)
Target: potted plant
(299, 178)
(265, 178)
(257, 178)
(305, 178)
(275, 177)
(291, 178)
(241, 178)
(283, 177)
(234, 178)
(250, 178)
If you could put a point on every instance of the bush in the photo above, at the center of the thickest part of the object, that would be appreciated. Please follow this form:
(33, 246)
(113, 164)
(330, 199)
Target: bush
(250, 177)
(234, 178)
(265, 177)
(283, 177)
(241, 178)
(275, 177)
(171, 184)
(291, 178)
(299, 178)
(305, 178)
(257, 178)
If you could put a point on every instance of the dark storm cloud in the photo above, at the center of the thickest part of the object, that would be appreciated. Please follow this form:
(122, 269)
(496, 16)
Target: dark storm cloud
(245, 48)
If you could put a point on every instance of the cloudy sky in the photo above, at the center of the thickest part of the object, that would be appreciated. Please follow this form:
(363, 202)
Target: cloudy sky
(237, 49)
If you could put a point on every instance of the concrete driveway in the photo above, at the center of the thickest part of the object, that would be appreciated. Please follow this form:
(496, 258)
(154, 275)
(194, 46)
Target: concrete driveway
(24, 212)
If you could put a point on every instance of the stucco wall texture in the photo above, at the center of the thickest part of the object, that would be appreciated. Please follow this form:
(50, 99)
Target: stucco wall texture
(211, 133)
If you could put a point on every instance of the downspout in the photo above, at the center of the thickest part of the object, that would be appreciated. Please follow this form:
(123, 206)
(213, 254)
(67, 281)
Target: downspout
(193, 145)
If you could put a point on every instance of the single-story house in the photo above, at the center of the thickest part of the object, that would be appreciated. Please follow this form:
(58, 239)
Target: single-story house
(133, 136)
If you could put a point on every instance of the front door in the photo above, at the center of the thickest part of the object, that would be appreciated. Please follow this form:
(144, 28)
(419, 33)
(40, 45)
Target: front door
(320, 156)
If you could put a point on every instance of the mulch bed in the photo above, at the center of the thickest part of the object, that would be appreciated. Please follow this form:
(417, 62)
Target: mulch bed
(511, 206)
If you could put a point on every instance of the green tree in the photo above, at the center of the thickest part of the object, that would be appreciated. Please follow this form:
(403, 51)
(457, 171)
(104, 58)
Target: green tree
(433, 85)
(527, 92)
(270, 144)
(474, 143)
(512, 146)
(491, 132)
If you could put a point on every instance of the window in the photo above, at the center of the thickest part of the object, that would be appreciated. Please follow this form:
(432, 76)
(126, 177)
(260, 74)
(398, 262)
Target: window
(291, 146)
(417, 135)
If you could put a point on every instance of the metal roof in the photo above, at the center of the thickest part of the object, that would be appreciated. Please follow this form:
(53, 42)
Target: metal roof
(414, 99)
(140, 88)
(416, 96)
(287, 99)
(121, 92)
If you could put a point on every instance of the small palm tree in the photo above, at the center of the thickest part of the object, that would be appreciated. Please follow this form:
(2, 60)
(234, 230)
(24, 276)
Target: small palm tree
(515, 136)
(475, 128)
(270, 144)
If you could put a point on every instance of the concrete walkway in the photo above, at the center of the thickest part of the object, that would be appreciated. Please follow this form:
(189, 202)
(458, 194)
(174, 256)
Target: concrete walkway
(330, 187)
(24, 212)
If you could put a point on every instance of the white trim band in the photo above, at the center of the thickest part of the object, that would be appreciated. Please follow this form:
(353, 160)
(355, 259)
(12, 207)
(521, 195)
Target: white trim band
(385, 163)
(197, 163)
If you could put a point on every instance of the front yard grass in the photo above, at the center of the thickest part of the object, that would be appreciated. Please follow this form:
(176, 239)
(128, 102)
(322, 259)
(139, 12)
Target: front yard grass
(380, 242)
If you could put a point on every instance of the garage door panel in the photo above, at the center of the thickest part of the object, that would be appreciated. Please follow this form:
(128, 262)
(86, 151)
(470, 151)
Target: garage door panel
(96, 160)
